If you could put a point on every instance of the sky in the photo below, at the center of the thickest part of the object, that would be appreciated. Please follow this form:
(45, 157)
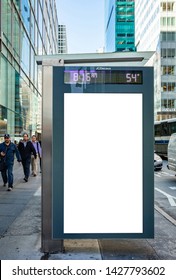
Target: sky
(84, 20)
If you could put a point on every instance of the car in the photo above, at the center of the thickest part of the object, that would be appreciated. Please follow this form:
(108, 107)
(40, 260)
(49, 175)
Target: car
(158, 162)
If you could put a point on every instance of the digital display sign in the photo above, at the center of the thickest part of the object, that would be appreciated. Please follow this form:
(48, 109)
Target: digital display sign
(95, 76)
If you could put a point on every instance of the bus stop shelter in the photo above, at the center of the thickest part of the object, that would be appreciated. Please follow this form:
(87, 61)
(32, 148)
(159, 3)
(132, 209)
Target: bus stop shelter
(97, 141)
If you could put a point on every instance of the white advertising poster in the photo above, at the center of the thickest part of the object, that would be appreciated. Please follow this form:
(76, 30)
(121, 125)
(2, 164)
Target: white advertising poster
(103, 163)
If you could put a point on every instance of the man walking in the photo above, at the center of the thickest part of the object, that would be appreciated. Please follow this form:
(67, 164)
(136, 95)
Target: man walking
(34, 162)
(26, 148)
(7, 151)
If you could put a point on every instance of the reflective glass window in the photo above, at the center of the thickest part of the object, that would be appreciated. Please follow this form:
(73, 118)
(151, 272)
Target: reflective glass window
(40, 19)
(25, 12)
(25, 103)
(36, 39)
(40, 46)
(16, 35)
(17, 3)
(18, 106)
(32, 3)
(32, 65)
(25, 53)
(6, 21)
(36, 9)
(32, 28)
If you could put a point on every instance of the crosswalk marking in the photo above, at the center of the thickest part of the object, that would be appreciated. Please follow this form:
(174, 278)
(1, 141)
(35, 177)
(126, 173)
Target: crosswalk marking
(157, 175)
(162, 173)
(170, 198)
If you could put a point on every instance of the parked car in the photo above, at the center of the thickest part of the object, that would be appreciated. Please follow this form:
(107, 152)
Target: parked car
(171, 153)
(158, 162)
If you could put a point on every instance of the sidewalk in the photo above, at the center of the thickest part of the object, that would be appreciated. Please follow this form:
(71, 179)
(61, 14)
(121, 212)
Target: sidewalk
(20, 231)
(20, 224)
(20, 218)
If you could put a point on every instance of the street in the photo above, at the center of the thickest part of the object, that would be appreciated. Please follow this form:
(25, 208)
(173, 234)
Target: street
(20, 231)
(163, 245)
(165, 190)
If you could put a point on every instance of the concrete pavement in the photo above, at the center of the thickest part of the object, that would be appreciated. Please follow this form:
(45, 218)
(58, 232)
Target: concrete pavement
(20, 218)
(20, 231)
(20, 224)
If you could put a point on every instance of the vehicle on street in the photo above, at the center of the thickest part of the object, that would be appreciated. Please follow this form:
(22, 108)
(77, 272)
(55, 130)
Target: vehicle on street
(163, 130)
(158, 162)
(172, 153)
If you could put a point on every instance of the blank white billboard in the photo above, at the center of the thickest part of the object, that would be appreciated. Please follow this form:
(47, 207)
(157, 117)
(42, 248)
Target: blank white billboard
(103, 163)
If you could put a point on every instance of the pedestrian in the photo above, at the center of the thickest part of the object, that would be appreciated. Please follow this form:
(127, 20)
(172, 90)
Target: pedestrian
(26, 148)
(7, 151)
(40, 142)
(34, 161)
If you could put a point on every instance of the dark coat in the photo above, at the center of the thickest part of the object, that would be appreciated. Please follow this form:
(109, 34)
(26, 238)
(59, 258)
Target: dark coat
(9, 150)
(26, 152)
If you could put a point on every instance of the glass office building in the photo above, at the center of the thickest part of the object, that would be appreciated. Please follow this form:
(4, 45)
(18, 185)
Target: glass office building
(27, 28)
(119, 25)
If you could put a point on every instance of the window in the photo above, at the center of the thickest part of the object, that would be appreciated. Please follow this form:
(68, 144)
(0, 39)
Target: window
(25, 52)
(168, 36)
(171, 36)
(25, 11)
(171, 103)
(171, 52)
(170, 6)
(168, 86)
(168, 53)
(173, 21)
(167, 6)
(163, 52)
(167, 103)
(16, 35)
(167, 70)
(6, 14)
(120, 34)
(163, 21)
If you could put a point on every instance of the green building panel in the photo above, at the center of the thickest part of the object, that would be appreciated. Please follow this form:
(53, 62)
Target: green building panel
(124, 26)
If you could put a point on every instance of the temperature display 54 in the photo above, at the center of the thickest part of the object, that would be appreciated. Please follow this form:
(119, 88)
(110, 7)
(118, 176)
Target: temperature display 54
(102, 76)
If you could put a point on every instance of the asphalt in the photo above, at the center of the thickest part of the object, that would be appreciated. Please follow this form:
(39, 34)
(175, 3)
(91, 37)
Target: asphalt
(20, 231)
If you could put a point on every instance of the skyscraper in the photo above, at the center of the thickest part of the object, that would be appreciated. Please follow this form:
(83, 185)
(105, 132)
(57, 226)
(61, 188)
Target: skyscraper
(156, 31)
(147, 37)
(28, 28)
(119, 25)
(168, 58)
(62, 39)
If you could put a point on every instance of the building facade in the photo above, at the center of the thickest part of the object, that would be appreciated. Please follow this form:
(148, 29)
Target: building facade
(27, 28)
(62, 39)
(168, 58)
(156, 31)
(119, 25)
(147, 37)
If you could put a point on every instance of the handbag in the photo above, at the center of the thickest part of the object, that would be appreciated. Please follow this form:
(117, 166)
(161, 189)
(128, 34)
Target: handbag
(2, 164)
